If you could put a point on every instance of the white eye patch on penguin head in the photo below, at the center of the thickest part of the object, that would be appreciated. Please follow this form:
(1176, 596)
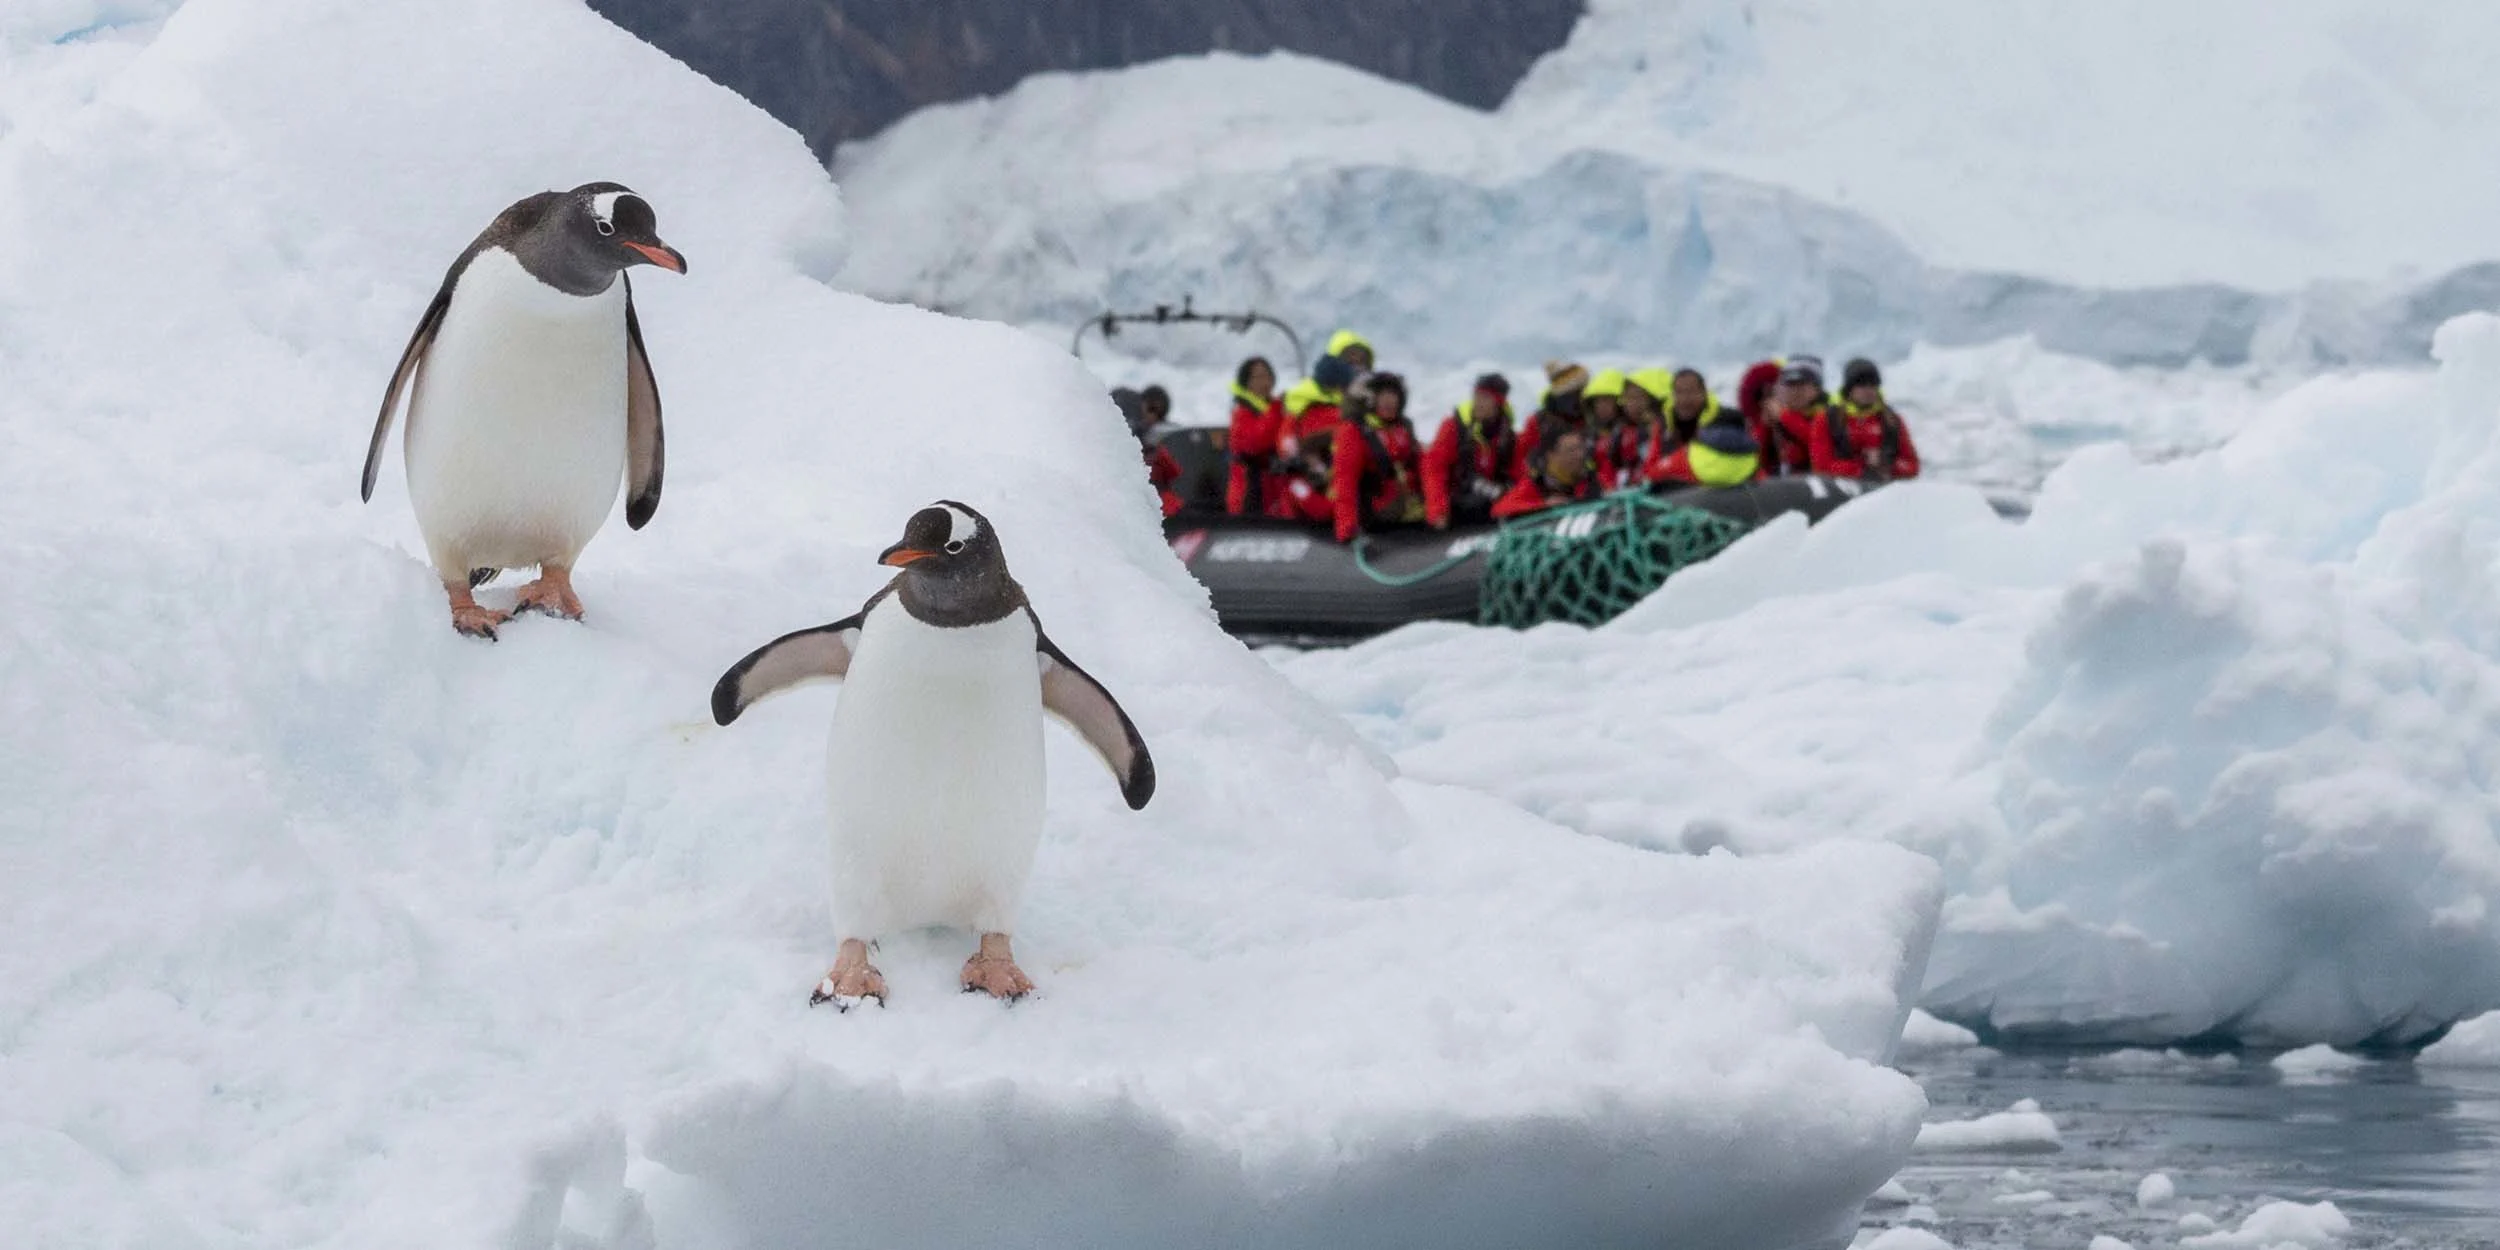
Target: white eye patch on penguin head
(944, 533)
(622, 227)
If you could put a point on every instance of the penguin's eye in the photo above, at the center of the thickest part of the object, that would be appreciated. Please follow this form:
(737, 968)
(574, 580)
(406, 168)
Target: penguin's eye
(955, 547)
(605, 228)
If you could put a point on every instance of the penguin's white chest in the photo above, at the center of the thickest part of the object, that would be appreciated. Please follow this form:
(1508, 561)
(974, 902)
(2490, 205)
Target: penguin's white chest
(516, 432)
(935, 779)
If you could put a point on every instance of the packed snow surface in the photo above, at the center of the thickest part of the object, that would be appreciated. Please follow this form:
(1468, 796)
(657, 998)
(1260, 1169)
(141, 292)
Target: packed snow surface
(321, 926)
(2205, 747)
(1729, 178)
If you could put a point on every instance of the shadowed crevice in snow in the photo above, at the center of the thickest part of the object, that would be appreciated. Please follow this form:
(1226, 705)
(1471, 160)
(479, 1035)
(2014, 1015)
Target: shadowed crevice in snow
(811, 1155)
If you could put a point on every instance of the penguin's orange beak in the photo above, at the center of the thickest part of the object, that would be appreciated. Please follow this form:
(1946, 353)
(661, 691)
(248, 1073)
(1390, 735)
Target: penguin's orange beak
(899, 555)
(663, 255)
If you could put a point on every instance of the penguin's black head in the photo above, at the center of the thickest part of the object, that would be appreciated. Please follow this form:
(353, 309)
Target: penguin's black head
(619, 226)
(946, 540)
(953, 570)
(592, 233)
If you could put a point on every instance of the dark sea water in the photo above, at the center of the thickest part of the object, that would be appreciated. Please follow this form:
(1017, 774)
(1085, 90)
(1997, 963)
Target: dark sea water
(2410, 1153)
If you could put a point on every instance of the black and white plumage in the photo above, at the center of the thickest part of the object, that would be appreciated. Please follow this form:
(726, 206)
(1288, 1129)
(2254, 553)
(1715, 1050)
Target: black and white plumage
(530, 395)
(935, 761)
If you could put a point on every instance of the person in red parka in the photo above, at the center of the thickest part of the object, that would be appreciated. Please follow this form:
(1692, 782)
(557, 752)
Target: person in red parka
(1797, 406)
(1753, 401)
(1154, 408)
(1257, 481)
(1861, 436)
(1559, 409)
(1375, 476)
(1467, 466)
(1644, 436)
(1561, 474)
(1313, 410)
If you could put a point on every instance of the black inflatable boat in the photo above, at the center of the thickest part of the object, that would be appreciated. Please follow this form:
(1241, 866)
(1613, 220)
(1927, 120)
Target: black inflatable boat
(1284, 581)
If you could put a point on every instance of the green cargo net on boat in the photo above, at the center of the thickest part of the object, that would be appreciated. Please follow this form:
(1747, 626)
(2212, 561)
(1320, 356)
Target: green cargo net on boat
(1586, 563)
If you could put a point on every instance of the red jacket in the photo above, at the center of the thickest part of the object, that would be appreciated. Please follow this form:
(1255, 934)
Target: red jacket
(1465, 463)
(1862, 442)
(1753, 393)
(1163, 470)
(1367, 489)
(1632, 453)
(1255, 481)
(1787, 439)
(1753, 398)
(1534, 494)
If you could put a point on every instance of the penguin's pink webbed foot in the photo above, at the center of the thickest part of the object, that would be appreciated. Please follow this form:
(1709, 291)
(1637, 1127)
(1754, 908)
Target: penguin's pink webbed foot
(551, 593)
(853, 979)
(992, 970)
(471, 617)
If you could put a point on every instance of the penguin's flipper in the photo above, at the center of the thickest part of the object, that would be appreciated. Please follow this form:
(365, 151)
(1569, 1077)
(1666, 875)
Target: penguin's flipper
(645, 448)
(1071, 694)
(409, 362)
(824, 651)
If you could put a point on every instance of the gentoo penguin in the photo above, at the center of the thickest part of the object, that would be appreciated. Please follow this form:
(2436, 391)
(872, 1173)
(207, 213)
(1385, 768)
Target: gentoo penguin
(529, 396)
(935, 765)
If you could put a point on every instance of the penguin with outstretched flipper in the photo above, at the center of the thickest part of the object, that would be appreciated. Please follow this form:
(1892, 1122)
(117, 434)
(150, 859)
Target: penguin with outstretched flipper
(935, 764)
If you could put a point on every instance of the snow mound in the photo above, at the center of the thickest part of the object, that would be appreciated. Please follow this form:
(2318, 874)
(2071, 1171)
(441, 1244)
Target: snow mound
(2281, 1226)
(2154, 1190)
(1903, 1239)
(2020, 1129)
(2203, 746)
(325, 927)
(1924, 1033)
(2472, 1044)
(2316, 1063)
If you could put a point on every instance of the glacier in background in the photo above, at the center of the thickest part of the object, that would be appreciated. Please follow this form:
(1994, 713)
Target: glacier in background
(1710, 181)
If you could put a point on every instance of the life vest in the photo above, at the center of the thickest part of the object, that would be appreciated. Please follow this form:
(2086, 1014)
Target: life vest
(1307, 392)
(1838, 415)
(1723, 454)
(1476, 450)
(1410, 502)
(1710, 411)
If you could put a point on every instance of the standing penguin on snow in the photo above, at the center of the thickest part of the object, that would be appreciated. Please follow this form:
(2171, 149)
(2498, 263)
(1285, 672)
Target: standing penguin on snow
(529, 396)
(935, 766)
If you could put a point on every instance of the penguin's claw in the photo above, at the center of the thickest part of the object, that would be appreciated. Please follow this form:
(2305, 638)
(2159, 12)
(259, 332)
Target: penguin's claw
(826, 993)
(996, 976)
(477, 621)
(853, 980)
(551, 596)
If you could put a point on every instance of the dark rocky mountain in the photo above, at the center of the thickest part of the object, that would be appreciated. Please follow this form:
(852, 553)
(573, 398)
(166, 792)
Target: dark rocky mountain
(843, 69)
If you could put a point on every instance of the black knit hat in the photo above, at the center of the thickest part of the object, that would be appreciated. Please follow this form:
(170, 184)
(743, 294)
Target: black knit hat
(1495, 383)
(1860, 372)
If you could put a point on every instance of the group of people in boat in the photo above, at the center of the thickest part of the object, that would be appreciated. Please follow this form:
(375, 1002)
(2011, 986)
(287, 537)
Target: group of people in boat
(1339, 447)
